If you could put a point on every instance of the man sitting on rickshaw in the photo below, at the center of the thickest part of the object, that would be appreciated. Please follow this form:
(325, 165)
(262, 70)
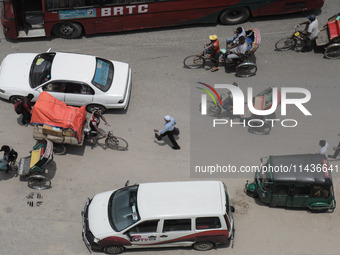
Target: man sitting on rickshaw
(239, 51)
(8, 159)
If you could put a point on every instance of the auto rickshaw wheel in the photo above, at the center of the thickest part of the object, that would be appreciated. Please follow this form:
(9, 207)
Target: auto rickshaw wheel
(259, 129)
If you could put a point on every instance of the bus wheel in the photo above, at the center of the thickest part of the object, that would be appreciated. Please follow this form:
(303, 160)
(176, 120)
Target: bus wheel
(234, 16)
(67, 30)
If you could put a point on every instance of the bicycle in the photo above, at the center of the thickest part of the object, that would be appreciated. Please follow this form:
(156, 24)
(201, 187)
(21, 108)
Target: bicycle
(293, 42)
(258, 125)
(111, 141)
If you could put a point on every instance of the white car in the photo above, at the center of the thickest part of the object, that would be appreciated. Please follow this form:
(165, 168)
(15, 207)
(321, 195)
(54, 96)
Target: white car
(160, 214)
(75, 79)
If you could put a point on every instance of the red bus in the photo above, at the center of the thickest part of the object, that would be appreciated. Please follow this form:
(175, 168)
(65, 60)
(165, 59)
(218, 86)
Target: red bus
(70, 18)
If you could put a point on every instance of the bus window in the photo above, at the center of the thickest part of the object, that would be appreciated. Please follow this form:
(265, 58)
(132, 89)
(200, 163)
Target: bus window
(57, 4)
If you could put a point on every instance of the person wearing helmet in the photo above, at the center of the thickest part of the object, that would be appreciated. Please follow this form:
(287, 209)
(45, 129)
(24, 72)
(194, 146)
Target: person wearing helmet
(310, 32)
(26, 109)
(213, 51)
(8, 159)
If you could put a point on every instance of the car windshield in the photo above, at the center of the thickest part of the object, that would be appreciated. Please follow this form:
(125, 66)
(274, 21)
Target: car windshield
(103, 75)
(123, 210)
(41, 69)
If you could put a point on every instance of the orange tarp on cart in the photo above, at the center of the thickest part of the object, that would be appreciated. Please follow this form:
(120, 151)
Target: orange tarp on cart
(50, 111)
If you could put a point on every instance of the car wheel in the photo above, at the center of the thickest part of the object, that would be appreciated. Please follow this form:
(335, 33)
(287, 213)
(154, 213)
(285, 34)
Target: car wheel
(13, 99)
(203, 246)
(67, 30)
(234, 16)
(92, 107)
(114, 249)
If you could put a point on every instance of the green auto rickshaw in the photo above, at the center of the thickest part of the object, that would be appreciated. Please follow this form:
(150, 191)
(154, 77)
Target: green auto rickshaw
(294, 181)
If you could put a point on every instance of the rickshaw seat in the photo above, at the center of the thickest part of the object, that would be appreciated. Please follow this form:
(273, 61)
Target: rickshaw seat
(333, 29)
(35, 157)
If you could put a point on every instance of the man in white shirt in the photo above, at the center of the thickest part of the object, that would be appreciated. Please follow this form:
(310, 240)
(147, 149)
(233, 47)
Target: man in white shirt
(323, 147)
(239, 50)
(232, 42)
(311, 31)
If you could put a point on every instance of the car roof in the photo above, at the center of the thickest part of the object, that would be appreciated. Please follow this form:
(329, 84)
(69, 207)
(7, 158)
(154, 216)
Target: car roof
(80, 67)
(181, 199)
(300, 169)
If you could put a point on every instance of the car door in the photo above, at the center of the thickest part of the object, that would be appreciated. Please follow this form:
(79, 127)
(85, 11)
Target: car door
(280, 194)
(177, 232)
(55, 88)
(298, 195)
(78, 94)
(144, 233)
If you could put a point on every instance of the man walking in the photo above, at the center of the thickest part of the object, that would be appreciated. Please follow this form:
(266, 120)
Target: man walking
(337, 151)
(168, 130)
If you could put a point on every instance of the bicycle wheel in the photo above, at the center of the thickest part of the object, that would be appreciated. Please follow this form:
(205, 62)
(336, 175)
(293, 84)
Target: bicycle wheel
(59, 149)
(246, 69)
(38, 182)
(285, 44)
(260, 130)
(116, 143)
(212, 109)
(194, 62)
(333, 51)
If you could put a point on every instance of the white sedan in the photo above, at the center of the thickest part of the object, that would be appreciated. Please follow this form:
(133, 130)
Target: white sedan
(75, 79)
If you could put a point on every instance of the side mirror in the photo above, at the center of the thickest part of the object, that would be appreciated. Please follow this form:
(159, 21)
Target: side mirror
(232, 209)
(127, 183)
(49, 50)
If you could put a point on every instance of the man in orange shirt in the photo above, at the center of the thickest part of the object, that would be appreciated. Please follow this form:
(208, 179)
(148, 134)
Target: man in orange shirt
(213, 51)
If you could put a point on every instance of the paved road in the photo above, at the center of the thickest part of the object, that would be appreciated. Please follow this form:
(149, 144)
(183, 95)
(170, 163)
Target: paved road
(162, 86)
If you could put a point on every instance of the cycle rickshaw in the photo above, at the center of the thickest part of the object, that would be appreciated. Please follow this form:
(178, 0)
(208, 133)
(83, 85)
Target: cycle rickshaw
(33, 166)
(329, 37)
(245, 66)
(62, 124)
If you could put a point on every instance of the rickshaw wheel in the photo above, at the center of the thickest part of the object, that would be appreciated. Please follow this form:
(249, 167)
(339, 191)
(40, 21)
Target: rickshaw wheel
(333, 51)
(59, 149)
(212, 109)
(260, 130)
(246, 69)
(38, 182)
